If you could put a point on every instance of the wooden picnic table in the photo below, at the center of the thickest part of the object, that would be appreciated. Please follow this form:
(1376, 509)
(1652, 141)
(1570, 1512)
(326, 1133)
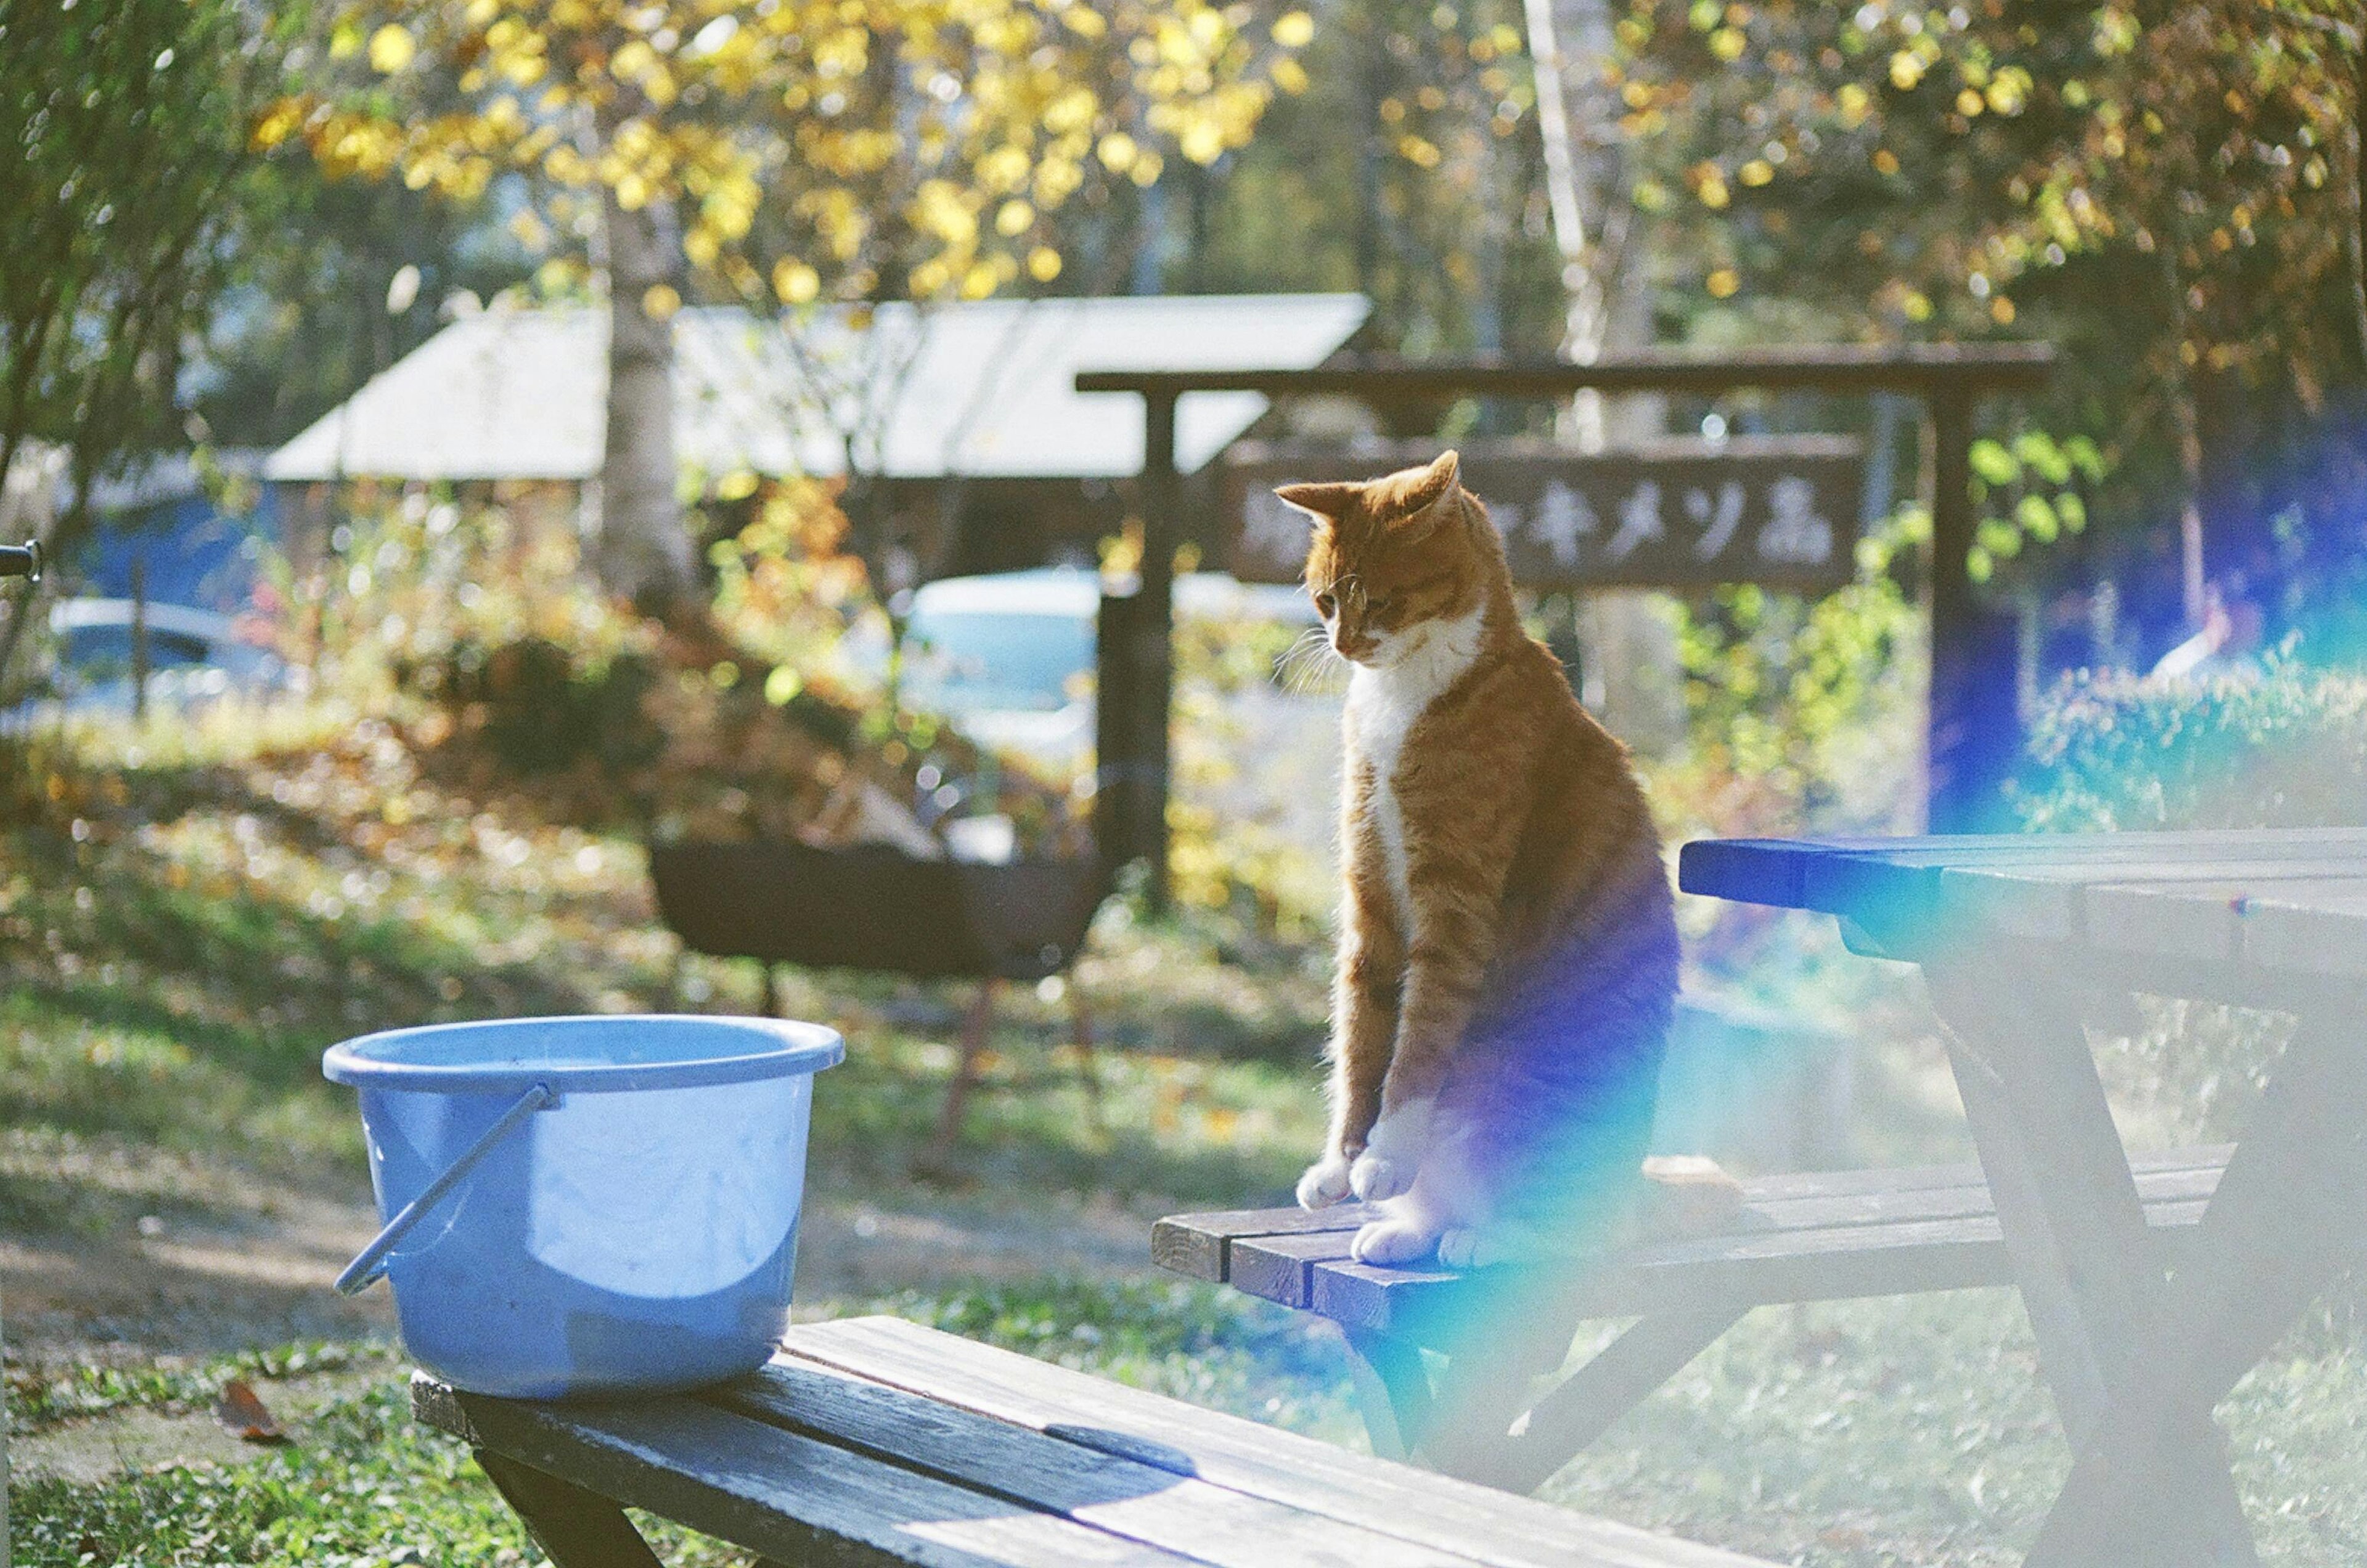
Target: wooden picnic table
(2015, 937)
(873, 1443)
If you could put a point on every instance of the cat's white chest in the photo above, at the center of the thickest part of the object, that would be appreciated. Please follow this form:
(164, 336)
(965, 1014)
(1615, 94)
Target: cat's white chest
(1383, 702)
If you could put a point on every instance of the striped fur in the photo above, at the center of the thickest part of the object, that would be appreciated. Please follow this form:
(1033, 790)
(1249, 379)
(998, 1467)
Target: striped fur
(1508, 950)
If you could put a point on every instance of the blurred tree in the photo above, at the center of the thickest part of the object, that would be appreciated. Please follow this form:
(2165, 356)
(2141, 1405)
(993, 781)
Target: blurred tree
(127, 123)
(331, 282)
(776, 150)
(1409, 169)
(2169, 191)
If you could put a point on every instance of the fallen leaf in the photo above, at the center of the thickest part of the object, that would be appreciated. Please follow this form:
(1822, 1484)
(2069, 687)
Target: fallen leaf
(243, 1413)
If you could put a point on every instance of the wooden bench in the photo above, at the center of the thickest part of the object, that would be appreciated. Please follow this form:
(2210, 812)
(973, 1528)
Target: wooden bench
(1795, 1238)
(871, 1440)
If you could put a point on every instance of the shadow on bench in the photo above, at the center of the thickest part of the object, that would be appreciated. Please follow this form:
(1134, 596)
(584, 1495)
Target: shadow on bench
(1797, 1238)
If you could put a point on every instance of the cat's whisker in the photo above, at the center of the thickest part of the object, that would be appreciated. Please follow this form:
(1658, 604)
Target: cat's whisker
(1310, 664)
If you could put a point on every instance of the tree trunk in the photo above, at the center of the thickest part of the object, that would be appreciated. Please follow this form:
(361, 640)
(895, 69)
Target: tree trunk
(644, 551)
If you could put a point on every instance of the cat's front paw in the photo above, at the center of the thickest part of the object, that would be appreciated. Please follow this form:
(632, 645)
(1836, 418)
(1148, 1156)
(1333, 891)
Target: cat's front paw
(1393, 1152)
(1375, 1176)
(1390, 1241)
(1325, 1184)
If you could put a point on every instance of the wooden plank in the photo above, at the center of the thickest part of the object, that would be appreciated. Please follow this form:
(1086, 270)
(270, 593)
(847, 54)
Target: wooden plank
(2324, 935)
(2080, 901)
(1195, 1244)
(1899, 878)
(1123, 1495)
(1276, 1267)
(1924, 370)
(775, 1493)
(1937, 1202)
(1834, 1264)
(1282, 1466)
(1281, 1267)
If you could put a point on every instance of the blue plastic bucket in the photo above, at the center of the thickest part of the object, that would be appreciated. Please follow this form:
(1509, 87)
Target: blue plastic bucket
(584, 1205)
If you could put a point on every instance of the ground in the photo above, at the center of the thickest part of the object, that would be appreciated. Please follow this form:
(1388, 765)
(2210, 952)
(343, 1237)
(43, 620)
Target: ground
(177, 1187)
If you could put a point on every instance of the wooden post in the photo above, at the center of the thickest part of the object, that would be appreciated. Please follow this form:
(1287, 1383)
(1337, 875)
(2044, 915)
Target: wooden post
(1973, 721)
(1973, 732)
(1153, 644)
(139, 638)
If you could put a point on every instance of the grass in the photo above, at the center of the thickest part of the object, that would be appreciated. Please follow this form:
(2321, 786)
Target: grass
(180, 940)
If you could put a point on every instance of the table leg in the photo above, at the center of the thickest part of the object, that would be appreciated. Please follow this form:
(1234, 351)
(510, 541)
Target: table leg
(2090, 1274)
(575, 1529)
(1582, 1406)
(2290, 1213)
(1392, 1390)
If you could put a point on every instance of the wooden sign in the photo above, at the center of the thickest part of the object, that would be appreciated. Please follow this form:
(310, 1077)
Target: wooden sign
(1781, 511)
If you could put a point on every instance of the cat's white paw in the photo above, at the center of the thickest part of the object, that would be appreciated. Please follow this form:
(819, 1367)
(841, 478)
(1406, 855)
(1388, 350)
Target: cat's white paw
(1462, 1247)
(1393, 1152)
(1375, 1176)
(1325, 1184)
(1393, 1240)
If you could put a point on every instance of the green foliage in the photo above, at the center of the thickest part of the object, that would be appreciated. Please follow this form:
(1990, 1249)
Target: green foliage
(2286, 748)
(2165, 192)
(1409, 169)
(2283, 748)
(2029, 493)
(125, 123)
(35, 1403)
(1800, 714)
(547, 711)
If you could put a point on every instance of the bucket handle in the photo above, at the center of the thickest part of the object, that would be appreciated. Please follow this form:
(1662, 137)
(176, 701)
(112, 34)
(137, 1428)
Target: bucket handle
(366, 1269)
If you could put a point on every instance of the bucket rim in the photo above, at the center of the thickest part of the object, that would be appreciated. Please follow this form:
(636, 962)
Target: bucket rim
(774, 1047)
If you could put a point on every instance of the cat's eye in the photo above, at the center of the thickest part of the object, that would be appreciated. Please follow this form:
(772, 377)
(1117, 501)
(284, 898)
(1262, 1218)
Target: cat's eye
(1325, 605)
(1379, 604)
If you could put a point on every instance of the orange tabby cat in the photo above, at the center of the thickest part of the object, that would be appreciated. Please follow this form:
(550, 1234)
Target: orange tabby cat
(1508, 956)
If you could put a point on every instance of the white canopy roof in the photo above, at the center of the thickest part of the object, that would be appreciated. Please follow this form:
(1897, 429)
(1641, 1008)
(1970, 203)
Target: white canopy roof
(981, 391)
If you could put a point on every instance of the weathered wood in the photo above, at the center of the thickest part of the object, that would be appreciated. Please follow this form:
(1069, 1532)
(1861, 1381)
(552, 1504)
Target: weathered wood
(1392, 1391)
(1196, 1244)
(1915, 368)
(776, 1492)
(2286, 1222)
(1781, 511)
(2281, 899)
(2007, 930)
(1282, 1466)
(1583, 1405)
(1937, 1231)
(1837, 1264)
(574, 1527)
(1123, 1495)
(2092, 1281)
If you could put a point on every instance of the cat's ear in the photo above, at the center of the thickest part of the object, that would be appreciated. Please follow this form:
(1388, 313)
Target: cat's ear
(1430, 500)
(1324, 503)
(1445, 471)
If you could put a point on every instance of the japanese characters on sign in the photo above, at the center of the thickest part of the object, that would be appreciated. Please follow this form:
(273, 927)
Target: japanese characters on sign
(1781, 511)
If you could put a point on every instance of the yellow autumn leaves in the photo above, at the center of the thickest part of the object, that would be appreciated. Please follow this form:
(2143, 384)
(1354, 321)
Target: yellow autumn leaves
(810, 148)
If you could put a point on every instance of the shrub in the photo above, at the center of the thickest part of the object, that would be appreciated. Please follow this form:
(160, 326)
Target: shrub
(2285, 747)
(1800, 714)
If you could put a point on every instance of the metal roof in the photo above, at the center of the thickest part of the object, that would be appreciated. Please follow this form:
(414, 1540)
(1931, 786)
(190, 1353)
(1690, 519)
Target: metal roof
(979, 391)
